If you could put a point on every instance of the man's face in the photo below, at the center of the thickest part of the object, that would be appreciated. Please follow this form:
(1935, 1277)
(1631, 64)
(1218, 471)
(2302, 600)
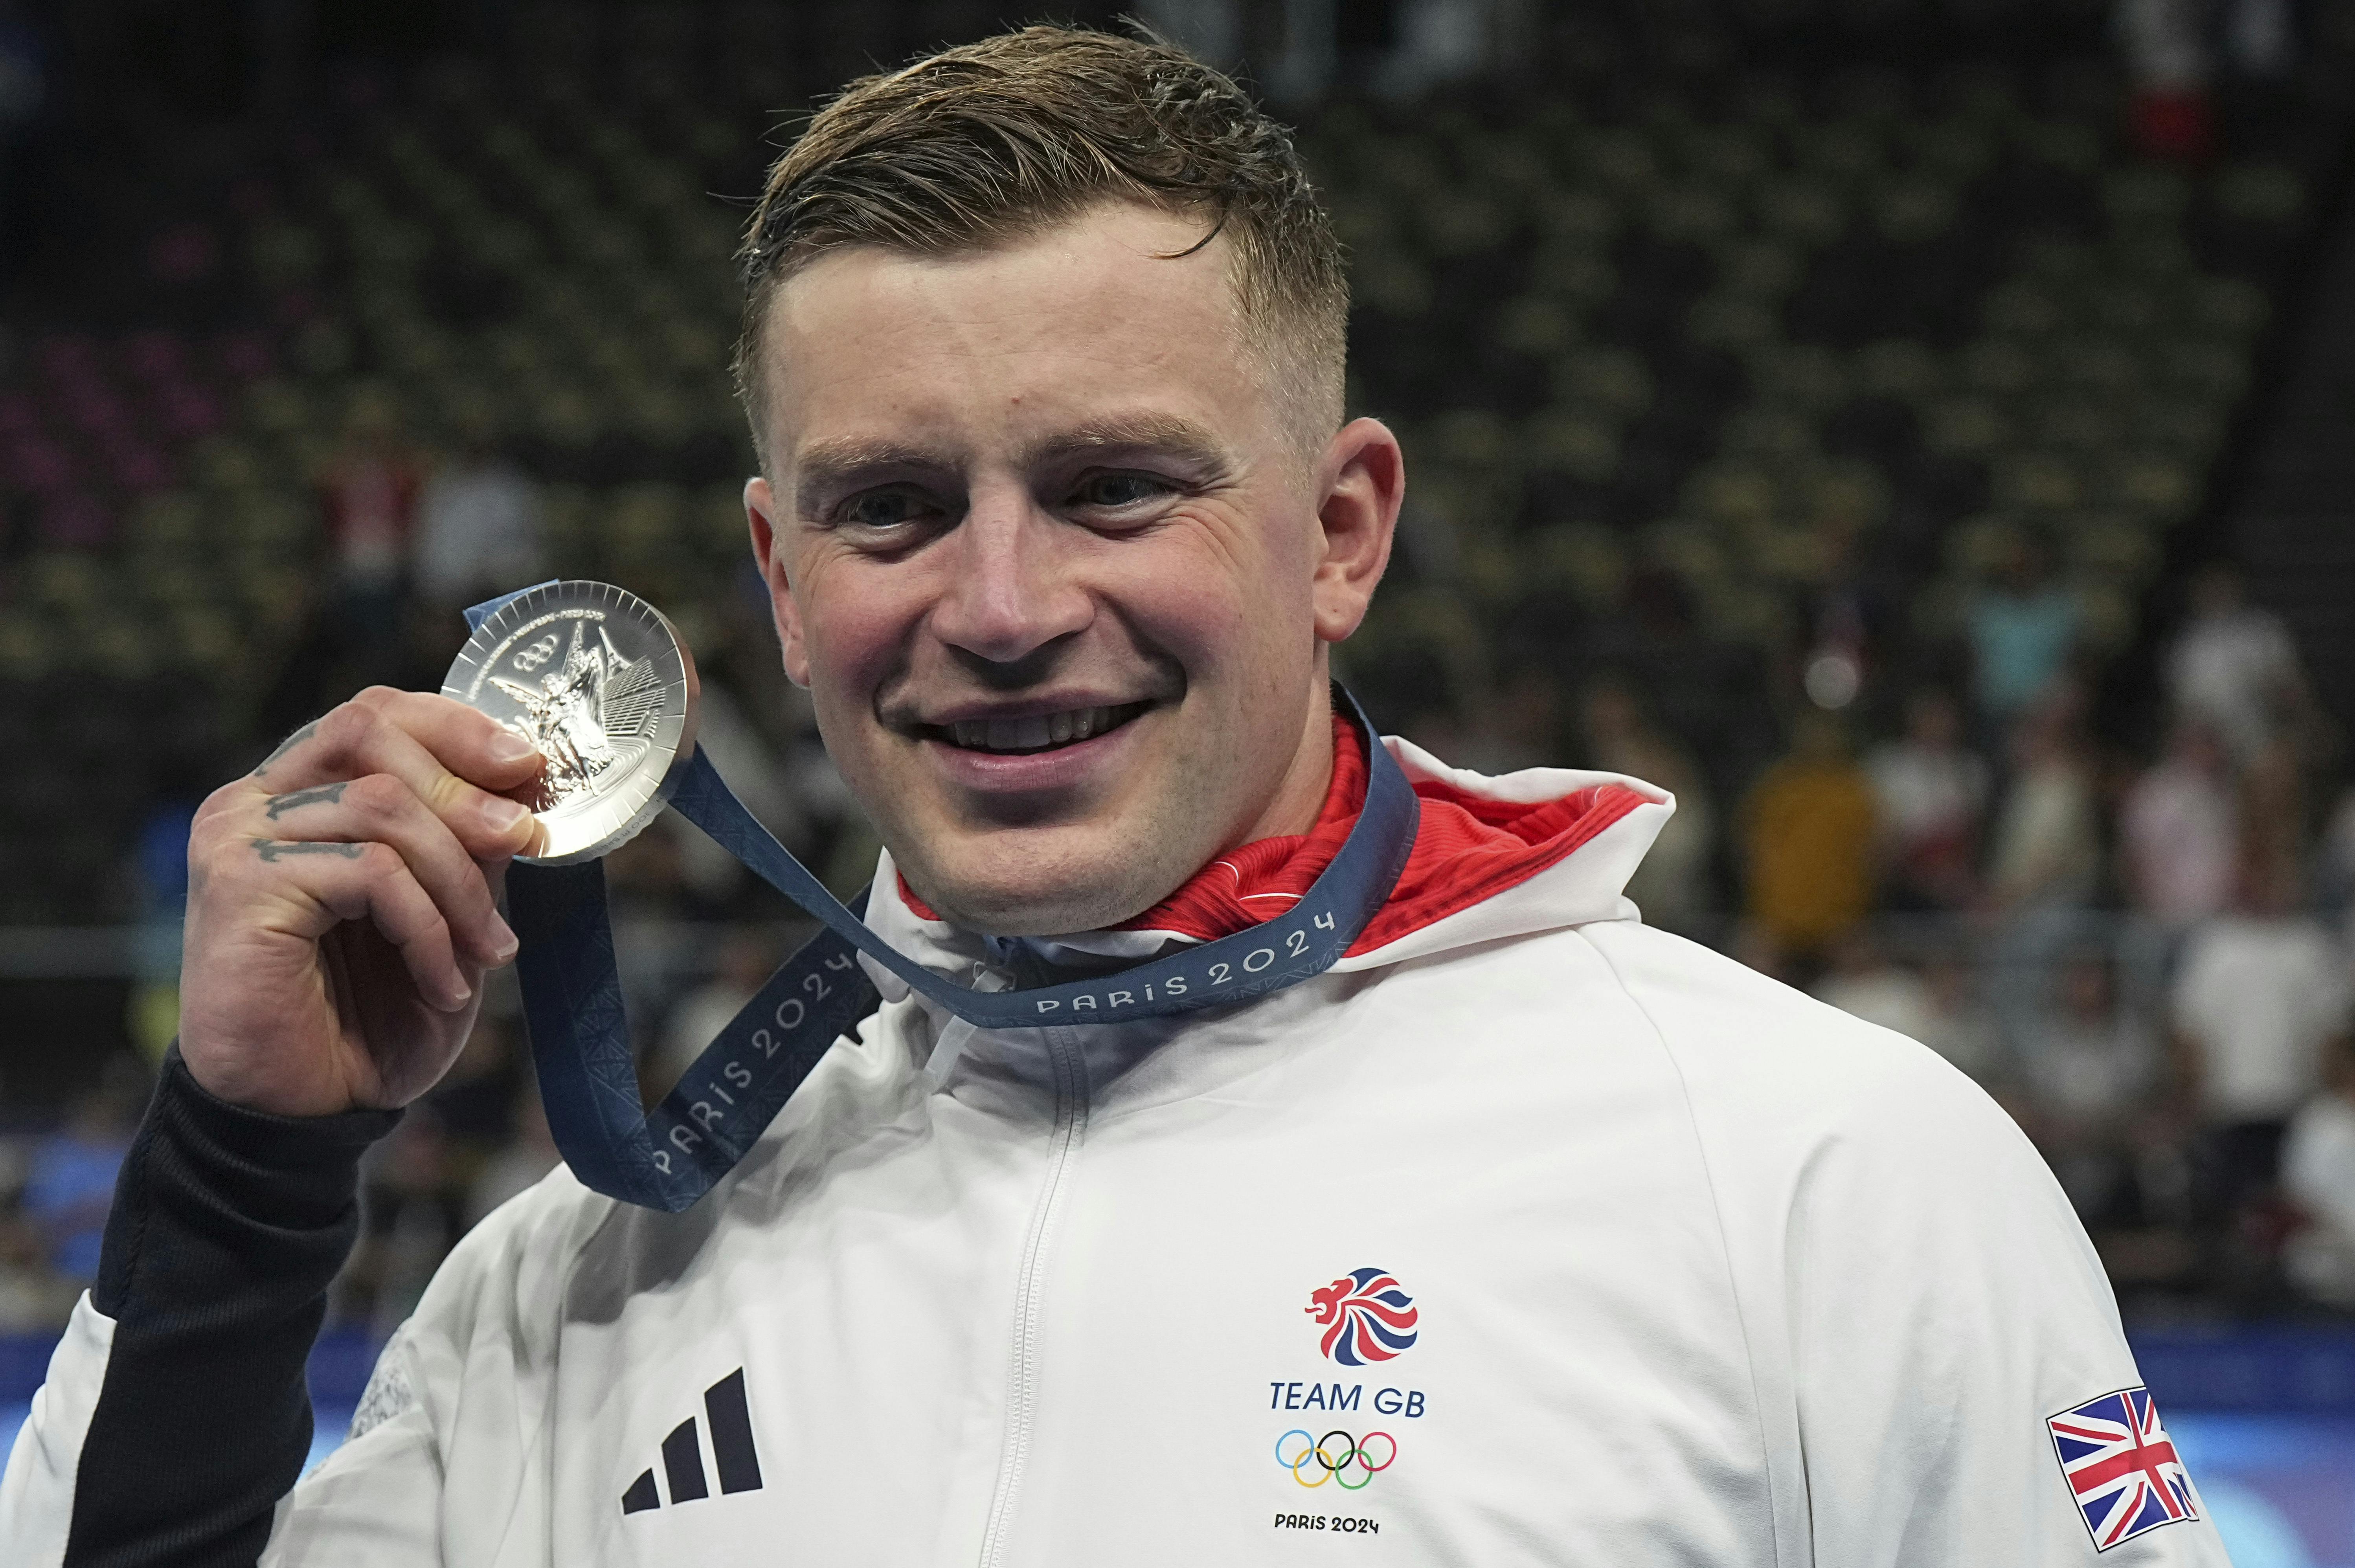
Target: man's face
(1053, 564)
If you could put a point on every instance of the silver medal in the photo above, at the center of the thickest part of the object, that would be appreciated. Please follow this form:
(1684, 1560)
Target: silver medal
(599, 680)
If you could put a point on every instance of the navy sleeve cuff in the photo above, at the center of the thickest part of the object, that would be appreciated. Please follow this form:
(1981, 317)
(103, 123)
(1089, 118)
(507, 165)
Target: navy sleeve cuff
(235, 1188)
(227, 1227)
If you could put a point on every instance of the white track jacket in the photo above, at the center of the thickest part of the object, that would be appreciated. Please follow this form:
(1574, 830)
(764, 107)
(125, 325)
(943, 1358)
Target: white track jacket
(1535, 1237)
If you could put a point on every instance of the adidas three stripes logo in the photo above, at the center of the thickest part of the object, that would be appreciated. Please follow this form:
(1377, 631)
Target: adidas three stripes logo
(732, 1454)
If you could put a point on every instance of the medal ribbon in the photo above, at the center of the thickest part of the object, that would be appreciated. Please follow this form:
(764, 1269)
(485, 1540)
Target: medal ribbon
(668, 1156)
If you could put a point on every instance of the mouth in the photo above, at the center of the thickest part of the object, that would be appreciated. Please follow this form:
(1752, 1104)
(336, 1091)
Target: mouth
(1031, 733)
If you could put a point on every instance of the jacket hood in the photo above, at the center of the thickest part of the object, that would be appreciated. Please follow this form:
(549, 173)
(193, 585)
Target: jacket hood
(1496, 856)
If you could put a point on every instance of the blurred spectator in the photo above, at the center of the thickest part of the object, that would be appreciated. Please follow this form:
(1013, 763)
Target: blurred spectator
(1864, 982)
(478, 530)
(2317, 1175)
(70, 1180)
(746, 961)
(2334, 860)
(2047, 840)
(2273, 800)
(1929, 793)
(2084, 1068)
(1936, 1003)
(369, 493)
(1845, 613)
(1959, 1027)
(2023, 626)
(32, 1298)
(2169, 109)
(2233, 665)
(1807, 844)
(2179, 833)
(2260, 989)
(1671, 885)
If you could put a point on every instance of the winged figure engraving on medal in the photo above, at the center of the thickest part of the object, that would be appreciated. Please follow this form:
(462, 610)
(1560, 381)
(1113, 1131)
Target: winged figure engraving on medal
(593, 713)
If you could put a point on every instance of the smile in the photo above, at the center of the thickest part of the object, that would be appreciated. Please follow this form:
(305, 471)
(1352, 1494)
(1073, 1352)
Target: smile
(1038, 731)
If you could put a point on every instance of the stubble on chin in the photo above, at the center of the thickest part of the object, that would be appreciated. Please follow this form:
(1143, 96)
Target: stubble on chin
(1057, 879)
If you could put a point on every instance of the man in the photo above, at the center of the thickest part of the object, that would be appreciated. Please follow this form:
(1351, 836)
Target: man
(2233, 665)
(2180, 830)
(1522, 1233)
(479, 525)
(2261, 991)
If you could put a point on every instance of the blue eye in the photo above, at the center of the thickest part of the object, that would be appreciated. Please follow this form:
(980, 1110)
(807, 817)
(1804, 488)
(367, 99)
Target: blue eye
(1120, 489)
(882, 508)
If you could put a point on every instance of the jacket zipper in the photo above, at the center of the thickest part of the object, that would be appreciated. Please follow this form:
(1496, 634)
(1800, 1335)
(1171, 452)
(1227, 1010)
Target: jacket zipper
(1071, 1120)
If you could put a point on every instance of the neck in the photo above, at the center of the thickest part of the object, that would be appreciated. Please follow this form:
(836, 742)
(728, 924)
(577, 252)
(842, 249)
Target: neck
(1294, 808)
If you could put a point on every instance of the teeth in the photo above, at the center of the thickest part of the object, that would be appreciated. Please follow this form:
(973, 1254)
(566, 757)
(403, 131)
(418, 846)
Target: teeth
(1034, 733)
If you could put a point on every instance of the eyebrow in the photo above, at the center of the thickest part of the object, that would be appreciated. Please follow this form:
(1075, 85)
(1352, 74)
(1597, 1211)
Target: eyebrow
(829, 466)
(1165, 433)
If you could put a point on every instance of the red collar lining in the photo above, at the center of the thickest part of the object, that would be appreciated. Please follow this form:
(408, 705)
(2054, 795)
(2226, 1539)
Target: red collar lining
(1467, 847)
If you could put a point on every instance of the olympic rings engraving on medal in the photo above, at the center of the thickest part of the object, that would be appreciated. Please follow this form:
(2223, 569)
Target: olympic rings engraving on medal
(601, 684)
(1335, 1455)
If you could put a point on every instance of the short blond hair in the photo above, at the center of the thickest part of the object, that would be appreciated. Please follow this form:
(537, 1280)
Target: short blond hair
(991, 142)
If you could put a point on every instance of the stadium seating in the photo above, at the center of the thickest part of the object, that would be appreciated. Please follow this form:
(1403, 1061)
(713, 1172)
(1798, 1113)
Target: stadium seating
(1734, 339)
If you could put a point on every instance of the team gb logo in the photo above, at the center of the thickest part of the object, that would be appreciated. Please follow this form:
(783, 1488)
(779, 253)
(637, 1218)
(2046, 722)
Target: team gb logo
(1366, 1316)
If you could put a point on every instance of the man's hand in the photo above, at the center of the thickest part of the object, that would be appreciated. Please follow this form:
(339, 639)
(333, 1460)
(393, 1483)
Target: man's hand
(342, 906)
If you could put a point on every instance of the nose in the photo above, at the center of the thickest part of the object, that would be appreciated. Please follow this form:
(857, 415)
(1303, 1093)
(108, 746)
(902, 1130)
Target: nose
(1012, 594)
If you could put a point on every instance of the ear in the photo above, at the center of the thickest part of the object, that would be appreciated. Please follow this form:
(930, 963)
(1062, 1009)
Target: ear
(1364, 481)
(769, 552)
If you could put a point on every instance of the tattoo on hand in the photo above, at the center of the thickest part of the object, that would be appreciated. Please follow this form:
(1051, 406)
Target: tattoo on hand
(279, 849)
(320, 794)
(287, 745)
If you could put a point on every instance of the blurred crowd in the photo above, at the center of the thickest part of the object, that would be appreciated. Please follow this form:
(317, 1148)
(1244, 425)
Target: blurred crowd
(1810, 409)
(2146, 958)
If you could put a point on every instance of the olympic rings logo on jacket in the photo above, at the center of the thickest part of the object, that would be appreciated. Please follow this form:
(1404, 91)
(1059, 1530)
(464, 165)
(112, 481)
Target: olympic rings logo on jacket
(1321, 1458)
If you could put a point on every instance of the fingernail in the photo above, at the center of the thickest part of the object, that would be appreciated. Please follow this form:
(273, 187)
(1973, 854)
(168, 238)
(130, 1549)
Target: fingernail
(460, 994)
(506, 746)
(504, 943)
(502, 814)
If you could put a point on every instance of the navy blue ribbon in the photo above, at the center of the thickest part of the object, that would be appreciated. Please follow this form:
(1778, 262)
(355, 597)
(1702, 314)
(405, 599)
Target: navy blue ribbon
(668, 1156)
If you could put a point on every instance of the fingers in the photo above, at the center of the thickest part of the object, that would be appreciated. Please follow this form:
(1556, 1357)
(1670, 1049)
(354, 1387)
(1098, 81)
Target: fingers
(380, 808)
(471, 743)
(449, 757)
(323, 883)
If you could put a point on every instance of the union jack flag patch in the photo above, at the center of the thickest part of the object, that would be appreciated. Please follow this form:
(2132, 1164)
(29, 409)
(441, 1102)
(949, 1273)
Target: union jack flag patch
(2121, 1465)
